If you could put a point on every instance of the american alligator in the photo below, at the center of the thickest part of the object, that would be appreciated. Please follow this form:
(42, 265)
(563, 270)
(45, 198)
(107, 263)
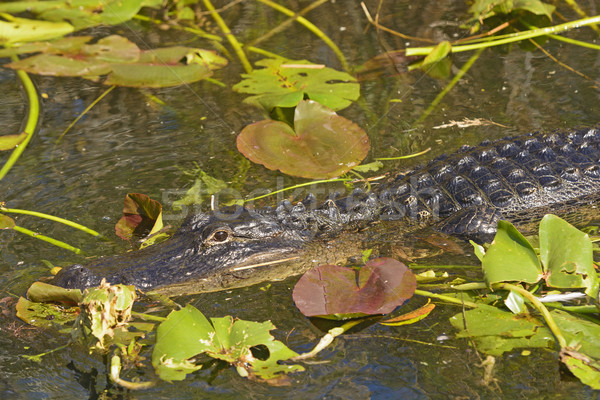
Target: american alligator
(463, 194)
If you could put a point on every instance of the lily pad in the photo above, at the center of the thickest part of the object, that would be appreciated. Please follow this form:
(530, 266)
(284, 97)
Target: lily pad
(321, 145)
(496, 331)
(141, 216)
(284, 83)
(18, 30)
(188, 333)
(567, 255)
(82, 13)
(511, 258)
(337, 292)
(46, 315)
(121, 60)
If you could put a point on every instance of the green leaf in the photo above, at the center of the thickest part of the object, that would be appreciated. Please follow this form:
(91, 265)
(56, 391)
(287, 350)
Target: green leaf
(41, 292)
(567, 256)
(284, 83)
(482, 9)
(6, 222)
(45, 315)
(18, 30)
(340, 292)
(322, 145)
(496, 331)
(510, 258)
(437, 64)
(370, 167)
(187, 333)
(586, 369)
(9, 142)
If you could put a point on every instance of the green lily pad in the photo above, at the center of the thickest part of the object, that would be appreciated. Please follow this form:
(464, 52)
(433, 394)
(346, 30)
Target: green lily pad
(496, 332)
(284, 83)
(41, 292)
(121, 60)
(82, 13)
(18, 30)
(482, 9)
(586, 369)
(341, 293)
(46, 315)
(322, 145)
(567, 256)
(510, 258)
(188, 333)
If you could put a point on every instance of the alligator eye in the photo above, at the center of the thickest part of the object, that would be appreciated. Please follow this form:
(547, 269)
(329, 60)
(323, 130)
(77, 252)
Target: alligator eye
(220, 236)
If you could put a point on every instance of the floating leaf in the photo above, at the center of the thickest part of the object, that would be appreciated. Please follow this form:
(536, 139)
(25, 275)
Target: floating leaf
(82, 13)
(585, 368)
(141, 215)
(496, 331)
(187, 333)
(322, 145)
(567, 255)
(46, 315)
(437, 64)
(6, 222)
(17, 30)
(121, 60)
(511, 258)
(411, 317)
(41, 292)
(340, 292)
(9, 142)
(482, 9)
(284, 83)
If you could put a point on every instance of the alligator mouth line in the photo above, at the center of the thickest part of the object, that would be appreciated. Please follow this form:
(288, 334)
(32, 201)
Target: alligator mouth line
(244, 267)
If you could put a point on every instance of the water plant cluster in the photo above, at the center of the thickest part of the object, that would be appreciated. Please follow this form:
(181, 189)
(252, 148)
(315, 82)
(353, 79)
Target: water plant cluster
(300, 100)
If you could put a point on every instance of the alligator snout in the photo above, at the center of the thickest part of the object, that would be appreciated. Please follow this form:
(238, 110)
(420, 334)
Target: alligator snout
(76, 276)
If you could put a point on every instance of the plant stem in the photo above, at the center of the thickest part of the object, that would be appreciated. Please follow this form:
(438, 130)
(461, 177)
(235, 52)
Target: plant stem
(448, 299)
(541, 308)
(515, 37)
(47, 239)
(298, 186)
(87, 109)
(453, 82)
(33, 113)
(51, 218)
(327, 339)
(311, 27)
(237, 47)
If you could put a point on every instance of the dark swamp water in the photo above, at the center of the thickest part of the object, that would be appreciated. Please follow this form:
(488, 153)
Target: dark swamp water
(128, 144)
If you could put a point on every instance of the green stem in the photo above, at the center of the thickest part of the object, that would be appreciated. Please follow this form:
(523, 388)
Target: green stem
(515, 37)
(299, 186)
(311, 27)
(237, 47)
(449, 87)
(327, 339)
(403, 157)
(84, 112)
(47, 239)
(115, 371)
(447, 299)
(541, 308)
(33, 113)
(51, 218)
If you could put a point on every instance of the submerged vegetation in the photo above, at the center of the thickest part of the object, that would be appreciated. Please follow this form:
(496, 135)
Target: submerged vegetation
(302, 135)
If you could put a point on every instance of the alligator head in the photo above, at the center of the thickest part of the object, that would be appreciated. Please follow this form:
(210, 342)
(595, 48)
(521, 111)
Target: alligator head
(211, 251)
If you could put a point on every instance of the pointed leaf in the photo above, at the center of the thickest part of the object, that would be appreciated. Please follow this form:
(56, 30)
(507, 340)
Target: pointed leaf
(567, 255)
(510, 258)
(141, 214)
(9, 142)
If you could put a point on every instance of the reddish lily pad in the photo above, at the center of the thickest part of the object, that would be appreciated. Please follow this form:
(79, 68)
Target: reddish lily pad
(141, 214)
(338, 292)
(322, 145)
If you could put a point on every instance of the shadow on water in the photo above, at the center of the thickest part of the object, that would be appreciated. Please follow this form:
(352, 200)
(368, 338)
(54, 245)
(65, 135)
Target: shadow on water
(127, 144)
